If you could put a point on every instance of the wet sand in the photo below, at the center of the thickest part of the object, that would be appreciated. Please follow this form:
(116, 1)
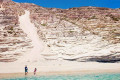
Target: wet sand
(50, 73)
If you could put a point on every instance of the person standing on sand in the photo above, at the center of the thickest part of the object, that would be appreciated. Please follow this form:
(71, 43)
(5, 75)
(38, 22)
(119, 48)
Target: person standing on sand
(26, 70)
(35, 71)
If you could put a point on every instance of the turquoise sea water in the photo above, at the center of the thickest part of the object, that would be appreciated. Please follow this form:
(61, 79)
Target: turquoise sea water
(73, 77)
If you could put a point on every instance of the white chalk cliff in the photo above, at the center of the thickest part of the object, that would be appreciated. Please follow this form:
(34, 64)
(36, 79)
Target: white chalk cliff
(75, 34)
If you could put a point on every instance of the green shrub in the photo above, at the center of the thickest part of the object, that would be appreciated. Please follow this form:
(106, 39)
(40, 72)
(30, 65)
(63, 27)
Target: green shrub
(10, 32)
(11, 28)
(93, 17)
(113, 17)
(44, 24)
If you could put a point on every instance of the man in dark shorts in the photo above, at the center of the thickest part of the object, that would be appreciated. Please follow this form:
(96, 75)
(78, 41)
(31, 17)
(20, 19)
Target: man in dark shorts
(35, 71)
(26, 70)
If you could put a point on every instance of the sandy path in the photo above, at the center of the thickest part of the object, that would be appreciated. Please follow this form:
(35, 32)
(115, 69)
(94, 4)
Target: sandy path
(1, 7)
(31, 31)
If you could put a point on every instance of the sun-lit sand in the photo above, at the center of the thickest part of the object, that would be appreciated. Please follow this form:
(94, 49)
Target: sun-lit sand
(57, 68)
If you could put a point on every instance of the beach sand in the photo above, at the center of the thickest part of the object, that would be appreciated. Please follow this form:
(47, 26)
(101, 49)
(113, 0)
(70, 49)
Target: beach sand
(10, 70)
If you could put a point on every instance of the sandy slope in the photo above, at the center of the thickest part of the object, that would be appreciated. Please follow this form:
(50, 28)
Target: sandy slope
(33, 59)
(1, 7)
(31, 32)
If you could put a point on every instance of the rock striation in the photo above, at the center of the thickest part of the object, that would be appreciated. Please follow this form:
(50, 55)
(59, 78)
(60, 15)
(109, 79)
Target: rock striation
(75, 34)
(1, 1)
(13, 42)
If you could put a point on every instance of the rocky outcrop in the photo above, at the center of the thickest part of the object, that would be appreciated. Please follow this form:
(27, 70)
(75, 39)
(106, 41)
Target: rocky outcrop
(1, 1)
(13, 42)
(75, 34)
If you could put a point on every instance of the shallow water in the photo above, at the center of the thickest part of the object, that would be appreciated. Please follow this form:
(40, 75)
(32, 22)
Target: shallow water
(73, 77)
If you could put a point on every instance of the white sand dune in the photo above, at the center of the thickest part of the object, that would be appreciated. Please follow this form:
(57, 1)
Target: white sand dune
(31, 31)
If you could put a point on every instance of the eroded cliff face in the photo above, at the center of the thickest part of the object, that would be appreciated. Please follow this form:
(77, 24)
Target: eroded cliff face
(13, 42)
(79, 34)
(1, 1)
(75, 34)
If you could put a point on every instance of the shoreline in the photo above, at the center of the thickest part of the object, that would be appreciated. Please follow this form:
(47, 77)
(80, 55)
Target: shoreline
(46, 68)
(55, 73)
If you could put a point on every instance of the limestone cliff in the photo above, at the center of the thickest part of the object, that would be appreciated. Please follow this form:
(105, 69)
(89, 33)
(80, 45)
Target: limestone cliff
(75, 34)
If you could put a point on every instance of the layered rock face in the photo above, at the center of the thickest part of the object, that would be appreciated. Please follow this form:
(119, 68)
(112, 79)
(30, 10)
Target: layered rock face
(13, 42)
(75, 34)
(1, 1)
(79, 34)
